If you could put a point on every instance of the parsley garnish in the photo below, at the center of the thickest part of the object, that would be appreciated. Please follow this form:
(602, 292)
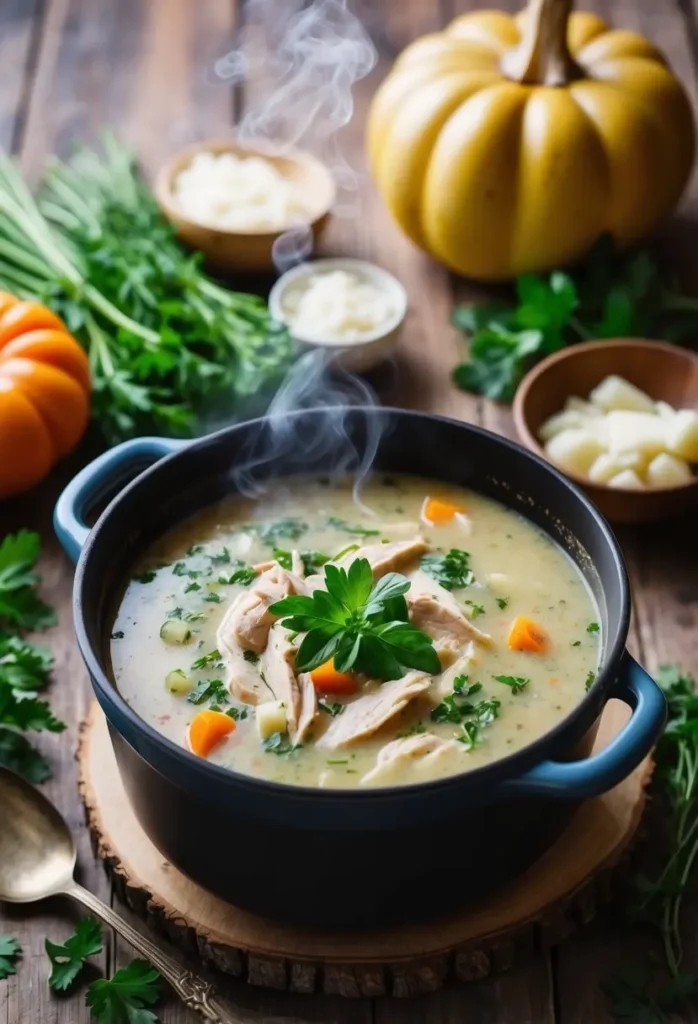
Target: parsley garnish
(312, 561)
(591, 676)
(271, 534)
(145, 577)
(515, 683)
(593, 627)
(502, 602)
(119, 635)
(358, 531)
(122, 998)
(243, 574)
(190, 587)
(456, 707)
(213, 690)
(20, 606)
(23, 665)
(279, 743)
(237, 714)
(364, 627)
(469, 735)
(213, 598)
(10, 950)
(331, 709)
(17, 754)
(220, 557)
(475, 609)
(576, 643)
(450, 570)
(213, 658)
(67, 960)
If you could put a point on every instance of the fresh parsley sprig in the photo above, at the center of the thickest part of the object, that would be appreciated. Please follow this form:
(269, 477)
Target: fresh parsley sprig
(608, 296)
(451, 571)
(362, 626)
(122, 998)
(20, 605)
(10, 951)
(67, 960)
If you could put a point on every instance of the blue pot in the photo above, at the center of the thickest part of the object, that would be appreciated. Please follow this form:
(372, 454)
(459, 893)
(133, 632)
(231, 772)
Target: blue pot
(364, 857)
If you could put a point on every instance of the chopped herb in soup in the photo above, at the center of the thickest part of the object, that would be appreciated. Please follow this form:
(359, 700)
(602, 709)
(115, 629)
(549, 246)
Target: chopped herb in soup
(303, 639)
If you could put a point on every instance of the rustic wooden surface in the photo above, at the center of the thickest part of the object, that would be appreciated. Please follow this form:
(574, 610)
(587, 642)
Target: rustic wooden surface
(145, 67)
(562, 891)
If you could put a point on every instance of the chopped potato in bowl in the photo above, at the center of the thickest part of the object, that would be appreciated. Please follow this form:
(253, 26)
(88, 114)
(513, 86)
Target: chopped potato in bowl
(621, 438)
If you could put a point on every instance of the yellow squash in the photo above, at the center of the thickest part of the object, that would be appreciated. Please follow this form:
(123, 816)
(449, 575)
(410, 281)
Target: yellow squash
(506, 145)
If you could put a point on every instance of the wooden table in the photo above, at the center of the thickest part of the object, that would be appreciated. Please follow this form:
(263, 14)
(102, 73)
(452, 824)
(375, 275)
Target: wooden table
(146, 67)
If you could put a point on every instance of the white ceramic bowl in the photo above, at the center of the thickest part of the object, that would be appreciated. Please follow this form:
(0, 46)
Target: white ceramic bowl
(373, 346)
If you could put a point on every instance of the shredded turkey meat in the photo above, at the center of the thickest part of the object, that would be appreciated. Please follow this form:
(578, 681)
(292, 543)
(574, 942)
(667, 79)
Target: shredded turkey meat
(248, 620)
(279, 676)
(400, 753)
(368, 713)
(391, 557)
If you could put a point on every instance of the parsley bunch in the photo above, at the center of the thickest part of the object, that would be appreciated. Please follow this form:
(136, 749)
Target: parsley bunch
(24, 666)
(362, 626)
(636, 993)
(609, 296)
(167, 345)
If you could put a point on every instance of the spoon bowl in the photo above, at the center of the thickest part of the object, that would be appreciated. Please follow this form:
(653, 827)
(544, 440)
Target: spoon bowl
(37, 853)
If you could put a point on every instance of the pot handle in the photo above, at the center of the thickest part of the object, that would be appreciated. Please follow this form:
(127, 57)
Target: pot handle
(578, 780)
(100, 477)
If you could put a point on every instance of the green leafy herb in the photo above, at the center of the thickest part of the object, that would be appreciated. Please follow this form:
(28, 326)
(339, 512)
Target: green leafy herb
(589, 682)
(475, 609)
(251, 656)
(67, 959)
(122, 998)
(219, 557)
(20, 605)
(456, 706)
(10, 950)
(213, 598)
(450, 570)
(593, 627)
(118, 635)
(338, 760)
(237, 714)
(469, 735)
(145, 577)
(191, 587)
(213, 690)
(502, 602)
(23, 665)
(609, 296)
(331, 709)
(244, 574)
(166, 344)
(17, 754)
(515, 683)
(312, 561)
(27, 713)
(358, 531)
(364, 627)
(271, 534)
(576, 643)
(279, 743)
(212, 659)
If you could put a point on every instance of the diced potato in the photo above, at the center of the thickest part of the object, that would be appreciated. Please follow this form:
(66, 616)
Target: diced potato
(497, 580)
(636, 432)
(574, 404)
(663, 409)
(177, 681)
(270, 718)
(567, 420)
(175, 631)
(616, 393)
(574, 450)
(609, 465)
(682, 435)
(667, 471)
(627, 480)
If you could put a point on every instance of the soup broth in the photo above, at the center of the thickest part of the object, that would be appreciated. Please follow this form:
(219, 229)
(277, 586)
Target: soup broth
(509, 615)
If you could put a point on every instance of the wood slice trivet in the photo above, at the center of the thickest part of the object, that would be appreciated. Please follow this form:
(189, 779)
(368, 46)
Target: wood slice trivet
(558, 893)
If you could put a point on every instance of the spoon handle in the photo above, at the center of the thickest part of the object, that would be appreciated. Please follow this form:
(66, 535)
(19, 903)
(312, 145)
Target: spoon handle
(197, 994)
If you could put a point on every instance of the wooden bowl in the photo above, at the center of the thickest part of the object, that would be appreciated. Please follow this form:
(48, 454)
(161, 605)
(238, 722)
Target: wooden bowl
(227, 249)
(663, 371)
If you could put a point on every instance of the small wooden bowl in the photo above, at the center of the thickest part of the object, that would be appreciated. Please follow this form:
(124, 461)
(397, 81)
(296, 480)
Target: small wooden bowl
(225, 249)
(664, 371)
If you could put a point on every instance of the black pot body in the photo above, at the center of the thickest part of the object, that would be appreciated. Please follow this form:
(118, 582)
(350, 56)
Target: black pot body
(348, 858)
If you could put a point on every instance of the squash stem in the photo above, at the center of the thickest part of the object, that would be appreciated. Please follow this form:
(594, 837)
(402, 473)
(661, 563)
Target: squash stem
(543, 56)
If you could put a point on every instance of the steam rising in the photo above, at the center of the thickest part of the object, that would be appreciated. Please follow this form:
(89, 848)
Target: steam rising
(281, 439)
(298, 63)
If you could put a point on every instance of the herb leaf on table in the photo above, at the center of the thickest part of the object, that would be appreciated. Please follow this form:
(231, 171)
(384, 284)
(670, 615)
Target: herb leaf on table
(609, 295)
(20, 606)
(363, 626)
(67, 959)
(122, 998)
(10, 950)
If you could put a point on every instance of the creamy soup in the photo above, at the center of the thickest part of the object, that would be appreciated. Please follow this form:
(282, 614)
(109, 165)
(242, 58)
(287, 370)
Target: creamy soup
(495, 635)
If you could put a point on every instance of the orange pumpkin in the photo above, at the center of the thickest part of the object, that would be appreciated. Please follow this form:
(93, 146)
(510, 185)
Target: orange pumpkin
(44, 393)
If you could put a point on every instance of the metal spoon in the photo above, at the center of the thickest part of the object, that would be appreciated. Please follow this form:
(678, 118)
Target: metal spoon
(37, 859)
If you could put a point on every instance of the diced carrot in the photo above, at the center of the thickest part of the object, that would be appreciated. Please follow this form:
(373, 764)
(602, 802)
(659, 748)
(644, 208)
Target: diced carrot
(438, 511)
(553, 680)
(527, 635)
(207, 729)
(326, 679)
